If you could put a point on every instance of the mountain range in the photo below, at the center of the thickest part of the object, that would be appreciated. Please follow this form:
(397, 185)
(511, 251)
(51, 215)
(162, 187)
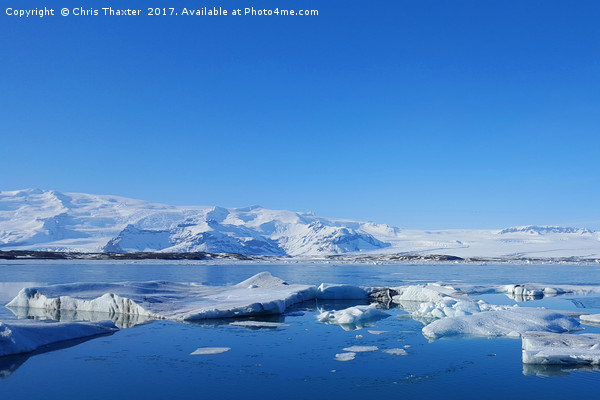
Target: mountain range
(47, 220)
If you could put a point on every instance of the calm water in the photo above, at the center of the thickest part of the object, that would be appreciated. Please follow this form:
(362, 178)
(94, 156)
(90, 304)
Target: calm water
(153, 361)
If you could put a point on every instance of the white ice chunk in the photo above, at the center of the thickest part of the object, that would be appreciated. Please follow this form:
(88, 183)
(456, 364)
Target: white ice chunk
(372, 332)
(209, 350)
(590, 319)
(555, 348)
(259, 324)
(345, 356)
(396, 352)
(512, 322)
(423, 293)
(345, 292)
(353, 317)
(261, 294)
(360, 349)
(27, 335)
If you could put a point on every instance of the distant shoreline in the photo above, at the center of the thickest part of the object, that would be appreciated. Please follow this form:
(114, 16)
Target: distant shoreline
(343, 258)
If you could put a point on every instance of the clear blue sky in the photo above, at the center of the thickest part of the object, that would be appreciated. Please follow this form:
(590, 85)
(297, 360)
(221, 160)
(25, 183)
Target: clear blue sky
(421, 114)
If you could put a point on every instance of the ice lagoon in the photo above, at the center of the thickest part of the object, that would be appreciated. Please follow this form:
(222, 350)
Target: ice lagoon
(314, 349)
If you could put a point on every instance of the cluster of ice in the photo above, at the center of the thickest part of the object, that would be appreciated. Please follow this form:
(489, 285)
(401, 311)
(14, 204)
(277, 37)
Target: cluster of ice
(433, 301)
(512, 322)
(352, 318)
(258, 295)
(27, 335)
(555, 348)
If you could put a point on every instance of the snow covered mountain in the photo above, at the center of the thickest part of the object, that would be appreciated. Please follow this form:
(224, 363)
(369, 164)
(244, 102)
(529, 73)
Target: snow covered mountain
(47, 220)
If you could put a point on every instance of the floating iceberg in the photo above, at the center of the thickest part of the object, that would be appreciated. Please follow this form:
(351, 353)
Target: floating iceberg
(512, 322)
(342, 292)
(345, 356)
(261, 294)
(209, 350)
(395, 352)
(555, 348)
(353, 318)
(593, 319)
(25, 336)
(360, 349)
(433, 301)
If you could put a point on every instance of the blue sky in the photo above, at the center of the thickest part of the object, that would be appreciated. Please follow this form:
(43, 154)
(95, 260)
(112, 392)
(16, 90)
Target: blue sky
(421, 114)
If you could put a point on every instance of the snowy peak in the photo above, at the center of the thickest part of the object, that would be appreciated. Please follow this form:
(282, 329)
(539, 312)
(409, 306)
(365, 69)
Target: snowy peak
(34, 219)
(543, 230)
(49, 220)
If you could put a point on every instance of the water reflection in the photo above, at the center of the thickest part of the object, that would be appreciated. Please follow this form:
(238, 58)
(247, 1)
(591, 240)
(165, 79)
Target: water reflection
(545, 370)
(9, 364)
(122, 321)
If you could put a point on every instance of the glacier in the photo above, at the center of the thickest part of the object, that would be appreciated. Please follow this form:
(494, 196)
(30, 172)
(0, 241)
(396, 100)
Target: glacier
(46, 220)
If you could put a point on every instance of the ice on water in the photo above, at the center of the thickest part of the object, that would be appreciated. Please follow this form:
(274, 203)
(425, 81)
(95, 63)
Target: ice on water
(561, 349)
(258, 295)
(511, 322)
(352, 318)
(23, 336)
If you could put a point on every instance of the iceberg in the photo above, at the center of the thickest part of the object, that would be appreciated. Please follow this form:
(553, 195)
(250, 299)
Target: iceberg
(261, 294)
(345, 356)
(561, 349)
(209, 351)
(434, 301)
(353, 318)
(341, 292)
(25, 336)
(360, 349)
(512, 322)
(593, 319)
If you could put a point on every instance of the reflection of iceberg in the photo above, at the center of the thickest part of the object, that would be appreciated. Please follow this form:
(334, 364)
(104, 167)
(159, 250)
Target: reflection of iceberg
(512, 322)
(122, 321)
(262, 294)
(353, 318)
(9, 364)
(25, 336)
(548, 370)
(561, 349)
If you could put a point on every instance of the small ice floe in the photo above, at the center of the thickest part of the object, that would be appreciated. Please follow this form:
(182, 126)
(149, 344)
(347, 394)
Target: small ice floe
(28, 335)
(360, 349)
(372, 332)
(345, 356)
(559, 349)
(593, 319)
(259, 324)
(209, 350)
(512, 322)
(396, 352)
(327, 291)
(353, 318)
